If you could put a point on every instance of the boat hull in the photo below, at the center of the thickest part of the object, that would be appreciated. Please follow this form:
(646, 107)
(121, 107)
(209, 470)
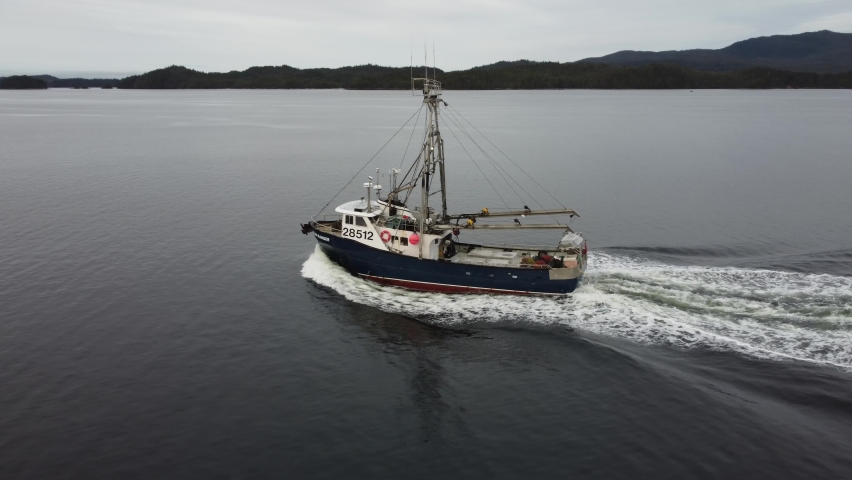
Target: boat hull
(439, 276)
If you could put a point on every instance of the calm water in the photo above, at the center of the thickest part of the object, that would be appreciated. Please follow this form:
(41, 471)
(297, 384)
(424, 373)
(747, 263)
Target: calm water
(161, 316)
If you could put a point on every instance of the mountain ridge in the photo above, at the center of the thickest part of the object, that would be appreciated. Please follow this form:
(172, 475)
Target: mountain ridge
(817, 52)
(520, 76)
(808, 60)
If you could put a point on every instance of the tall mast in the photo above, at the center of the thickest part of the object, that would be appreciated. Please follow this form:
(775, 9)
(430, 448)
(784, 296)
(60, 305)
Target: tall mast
(439, 147)
(432, 154)
(424, 183)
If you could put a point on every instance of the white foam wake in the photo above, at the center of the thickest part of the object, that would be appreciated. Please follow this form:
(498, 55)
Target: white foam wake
(762, 313)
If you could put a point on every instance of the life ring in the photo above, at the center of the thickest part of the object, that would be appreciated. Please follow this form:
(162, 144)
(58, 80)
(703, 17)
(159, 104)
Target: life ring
(386, 236)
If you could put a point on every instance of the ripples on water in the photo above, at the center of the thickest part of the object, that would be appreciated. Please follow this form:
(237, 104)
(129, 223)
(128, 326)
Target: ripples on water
(760, 313)
(154, 324)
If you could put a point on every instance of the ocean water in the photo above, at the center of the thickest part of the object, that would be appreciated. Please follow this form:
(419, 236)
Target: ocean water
(162, 316)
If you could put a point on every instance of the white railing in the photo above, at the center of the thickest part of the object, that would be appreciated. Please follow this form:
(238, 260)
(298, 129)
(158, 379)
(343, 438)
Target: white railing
(430, 87)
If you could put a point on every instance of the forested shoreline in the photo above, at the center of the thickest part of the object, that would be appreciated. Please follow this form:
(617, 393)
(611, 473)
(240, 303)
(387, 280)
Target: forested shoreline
(807, 60)
(514, 75)
(22, 82)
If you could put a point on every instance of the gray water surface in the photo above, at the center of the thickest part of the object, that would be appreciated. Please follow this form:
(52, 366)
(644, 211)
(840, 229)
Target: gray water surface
(162, 316)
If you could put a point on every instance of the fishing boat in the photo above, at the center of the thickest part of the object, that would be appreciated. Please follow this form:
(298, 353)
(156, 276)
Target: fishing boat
(404, 242)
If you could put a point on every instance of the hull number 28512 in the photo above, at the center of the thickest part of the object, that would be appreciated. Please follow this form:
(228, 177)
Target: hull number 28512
(353, 233)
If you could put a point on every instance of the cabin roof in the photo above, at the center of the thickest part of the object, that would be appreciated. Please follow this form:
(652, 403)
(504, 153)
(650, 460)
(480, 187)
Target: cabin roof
(358, 208)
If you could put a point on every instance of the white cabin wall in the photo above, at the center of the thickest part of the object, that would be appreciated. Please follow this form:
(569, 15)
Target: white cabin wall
(430, 250)
(369, 234)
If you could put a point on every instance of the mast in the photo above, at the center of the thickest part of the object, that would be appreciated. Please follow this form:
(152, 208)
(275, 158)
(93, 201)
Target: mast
(440, 145)
(432, 154)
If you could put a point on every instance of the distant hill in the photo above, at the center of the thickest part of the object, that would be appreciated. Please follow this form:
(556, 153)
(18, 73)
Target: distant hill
(54, 82)
(818, 52)
(551, 75)
(22, 82)
(807, 60)
(511, 75)
(361, 77)
(505, 64)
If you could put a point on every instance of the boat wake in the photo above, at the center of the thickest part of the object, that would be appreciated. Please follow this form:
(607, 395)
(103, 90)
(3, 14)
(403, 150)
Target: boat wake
(761, 313)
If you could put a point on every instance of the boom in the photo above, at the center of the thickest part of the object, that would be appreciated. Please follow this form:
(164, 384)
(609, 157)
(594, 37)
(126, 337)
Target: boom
(513, 213)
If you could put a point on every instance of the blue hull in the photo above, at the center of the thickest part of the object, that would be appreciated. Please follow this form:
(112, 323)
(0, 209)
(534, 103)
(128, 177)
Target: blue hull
(437, 275)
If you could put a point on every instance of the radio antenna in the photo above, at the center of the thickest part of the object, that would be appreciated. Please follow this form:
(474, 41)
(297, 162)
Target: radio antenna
(425, 61)
(434, 68)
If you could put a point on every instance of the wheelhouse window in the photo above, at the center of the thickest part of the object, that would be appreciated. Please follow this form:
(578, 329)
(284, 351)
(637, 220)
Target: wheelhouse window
(348, 219)
(360, 222)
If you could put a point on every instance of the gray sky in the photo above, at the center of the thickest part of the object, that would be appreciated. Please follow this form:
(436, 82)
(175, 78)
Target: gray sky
(122, 37)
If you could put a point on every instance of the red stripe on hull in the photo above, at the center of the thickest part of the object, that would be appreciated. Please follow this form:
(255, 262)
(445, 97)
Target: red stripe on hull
(440, 287)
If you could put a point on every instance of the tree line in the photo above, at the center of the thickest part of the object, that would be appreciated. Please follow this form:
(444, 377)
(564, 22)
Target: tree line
(22, 82)
(507, 75)
(520, 75)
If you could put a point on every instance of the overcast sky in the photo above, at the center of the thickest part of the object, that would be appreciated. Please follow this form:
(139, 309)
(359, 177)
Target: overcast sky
(121, 37)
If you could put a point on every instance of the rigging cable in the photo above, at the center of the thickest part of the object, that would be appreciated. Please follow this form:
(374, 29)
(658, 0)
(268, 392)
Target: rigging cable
(498, 167)
(370, 160)
(510, 159)
(496, 164)
(422, 151)
(455, 122)
(413, 129)
(480, 170)
(412, 167)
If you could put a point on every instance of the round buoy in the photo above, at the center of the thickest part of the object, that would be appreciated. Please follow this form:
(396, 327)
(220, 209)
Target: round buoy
(386, 236)
(414, 239)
